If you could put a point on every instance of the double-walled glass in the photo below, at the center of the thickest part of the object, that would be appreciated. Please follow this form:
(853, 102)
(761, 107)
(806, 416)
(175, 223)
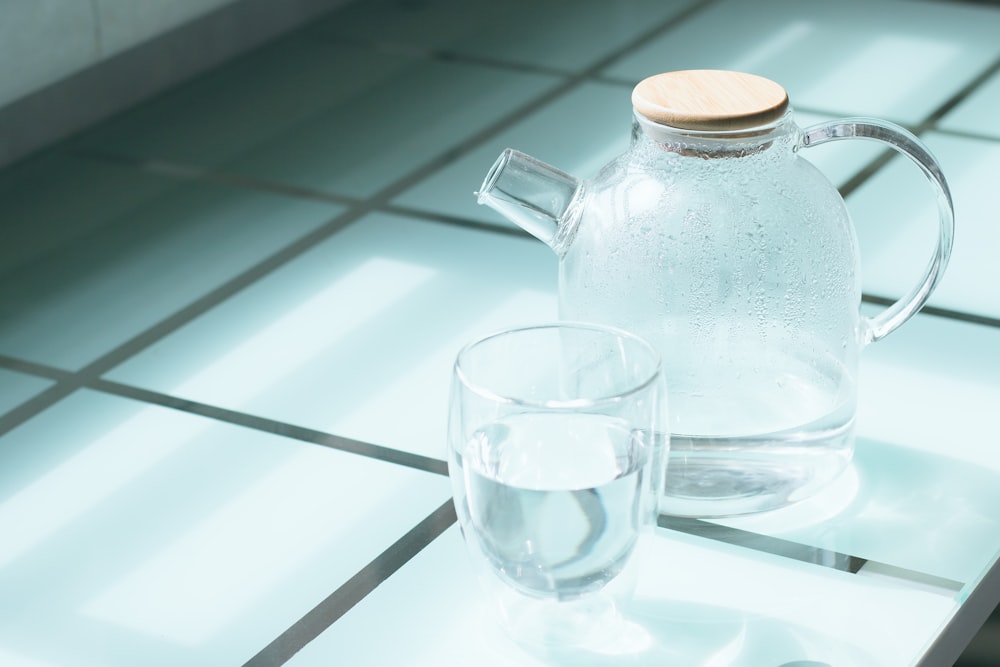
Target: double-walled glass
(556, 455)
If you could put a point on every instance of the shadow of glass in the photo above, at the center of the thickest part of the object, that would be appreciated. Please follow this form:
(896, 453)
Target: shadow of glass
(666, 632)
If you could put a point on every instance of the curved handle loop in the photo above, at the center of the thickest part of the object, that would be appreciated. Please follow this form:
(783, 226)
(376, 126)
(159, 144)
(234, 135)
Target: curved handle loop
(905, 142)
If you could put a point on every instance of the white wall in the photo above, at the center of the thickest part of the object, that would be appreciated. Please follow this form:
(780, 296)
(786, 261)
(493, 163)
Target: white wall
(43, 41)
(66, 64)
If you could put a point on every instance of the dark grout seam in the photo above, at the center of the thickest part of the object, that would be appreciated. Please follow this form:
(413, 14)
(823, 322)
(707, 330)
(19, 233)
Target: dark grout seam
(338, 603)
(344, 598)
(763, 543)
(936, 311)
(928, 123)
(236, 284)
(67, 382)
(801, 552)
(284, 429)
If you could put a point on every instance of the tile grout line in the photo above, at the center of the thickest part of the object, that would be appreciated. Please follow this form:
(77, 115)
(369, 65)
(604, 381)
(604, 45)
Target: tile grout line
(273, 426)
(221, 414)
(776, 546)
(338, 603)
(928, 123)
(342, 600)
(936, 311)
(249, 276)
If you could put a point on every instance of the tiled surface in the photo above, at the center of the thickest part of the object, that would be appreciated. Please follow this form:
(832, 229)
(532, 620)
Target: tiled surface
(578, 132)
(187, 548)
(897, 232)
(18, 387)
(896, 60)
(363, 325)
(104, 269)
(227, 319)
(734, 619)
(977, 113)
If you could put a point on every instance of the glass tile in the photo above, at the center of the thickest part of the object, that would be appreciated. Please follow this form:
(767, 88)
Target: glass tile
(978, 112)
(107, 251)
(18, 387)
(579, 132)
(567, 35)
(895, 60)
(363, 144)
(696, 604)
(141, 535)
(364, 325)
(896, 218)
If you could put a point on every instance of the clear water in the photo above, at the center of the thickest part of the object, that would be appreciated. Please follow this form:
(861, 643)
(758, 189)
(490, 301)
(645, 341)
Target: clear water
(554, 501)
(760, 445)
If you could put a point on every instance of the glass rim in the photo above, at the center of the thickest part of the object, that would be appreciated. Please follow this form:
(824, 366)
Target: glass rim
(646, 379)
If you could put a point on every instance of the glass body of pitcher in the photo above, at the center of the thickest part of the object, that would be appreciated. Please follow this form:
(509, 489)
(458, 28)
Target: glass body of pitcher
(739, 261)
(715, 240)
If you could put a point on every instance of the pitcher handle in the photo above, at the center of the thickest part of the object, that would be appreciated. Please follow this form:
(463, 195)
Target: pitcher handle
(905, 142)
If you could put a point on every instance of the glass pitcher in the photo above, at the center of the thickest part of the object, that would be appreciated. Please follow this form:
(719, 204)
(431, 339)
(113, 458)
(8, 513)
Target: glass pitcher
(712, 238)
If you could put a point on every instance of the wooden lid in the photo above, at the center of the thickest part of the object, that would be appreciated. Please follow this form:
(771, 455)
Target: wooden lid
(713, 100)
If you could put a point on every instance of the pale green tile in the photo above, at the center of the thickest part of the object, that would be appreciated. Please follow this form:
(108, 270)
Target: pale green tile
(926, 479)
(137, 534)
(894, 59)
(104, 252)
(978, 112)
(578, 132)
(366, 143)
(18, 387)
(896, 219)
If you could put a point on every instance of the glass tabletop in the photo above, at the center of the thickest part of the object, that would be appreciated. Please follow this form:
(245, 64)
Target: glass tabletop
(228, 318)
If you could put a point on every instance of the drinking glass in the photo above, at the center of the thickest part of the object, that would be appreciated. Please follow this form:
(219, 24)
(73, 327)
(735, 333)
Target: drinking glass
(556, 454)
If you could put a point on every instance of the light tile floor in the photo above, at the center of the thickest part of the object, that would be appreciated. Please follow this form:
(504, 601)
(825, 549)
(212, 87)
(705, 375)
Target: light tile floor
(227, 318)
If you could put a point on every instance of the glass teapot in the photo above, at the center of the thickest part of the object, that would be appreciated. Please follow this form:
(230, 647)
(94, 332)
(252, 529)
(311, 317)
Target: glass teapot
(713, 239)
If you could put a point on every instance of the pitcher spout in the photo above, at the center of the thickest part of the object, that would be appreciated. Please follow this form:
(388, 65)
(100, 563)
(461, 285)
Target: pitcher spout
(537, 197)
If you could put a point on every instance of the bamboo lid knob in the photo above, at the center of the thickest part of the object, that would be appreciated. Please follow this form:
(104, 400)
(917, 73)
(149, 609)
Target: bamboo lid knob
(713, 100)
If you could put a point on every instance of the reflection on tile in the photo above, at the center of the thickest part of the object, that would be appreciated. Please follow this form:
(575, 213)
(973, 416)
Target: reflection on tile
(97, 270)
(923, 512)
(567, 34)
(931, 385)
(579, 133)
(978, 112)
(901, 62)
(363, 325)
(750, 612)
(69, 33)
(367, 142)
(928, 479)
(18, 387)
(896, 218)
(196, 547)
